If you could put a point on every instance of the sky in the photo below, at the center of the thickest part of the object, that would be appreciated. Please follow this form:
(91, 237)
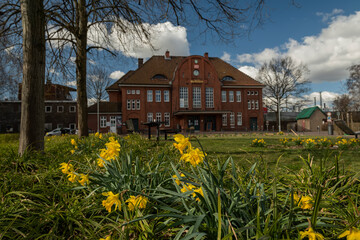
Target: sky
(324, 35)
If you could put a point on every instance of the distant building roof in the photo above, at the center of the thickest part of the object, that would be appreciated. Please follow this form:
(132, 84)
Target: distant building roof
(105, 107)
(307, 112)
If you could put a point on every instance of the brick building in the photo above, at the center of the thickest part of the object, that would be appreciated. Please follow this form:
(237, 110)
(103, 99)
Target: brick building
(195, 92)
(60, 109)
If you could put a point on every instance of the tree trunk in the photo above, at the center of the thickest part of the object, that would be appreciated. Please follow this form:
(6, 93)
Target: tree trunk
(32, 95)
(81, 58)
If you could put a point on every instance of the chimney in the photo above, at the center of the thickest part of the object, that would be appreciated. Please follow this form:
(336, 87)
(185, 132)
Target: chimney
(206, 55)
(140, 62)
(167, 55)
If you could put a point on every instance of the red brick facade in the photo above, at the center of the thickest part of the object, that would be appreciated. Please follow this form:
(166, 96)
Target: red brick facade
(195, 92)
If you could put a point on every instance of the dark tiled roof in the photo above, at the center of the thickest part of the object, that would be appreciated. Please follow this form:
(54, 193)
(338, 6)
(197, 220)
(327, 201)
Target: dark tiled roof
(158, 65)
(105, 107)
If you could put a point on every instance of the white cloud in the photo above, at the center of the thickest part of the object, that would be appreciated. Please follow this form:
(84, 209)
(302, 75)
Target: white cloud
(327, 98)
(249, 70)
(327, 16)
(327, 55)
(162, 37)
(116, 75)
(226, 57)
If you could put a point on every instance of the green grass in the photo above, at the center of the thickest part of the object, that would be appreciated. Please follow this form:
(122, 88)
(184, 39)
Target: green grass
(38, 202)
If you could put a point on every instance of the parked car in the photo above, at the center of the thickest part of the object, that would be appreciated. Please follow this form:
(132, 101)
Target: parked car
(59, 132)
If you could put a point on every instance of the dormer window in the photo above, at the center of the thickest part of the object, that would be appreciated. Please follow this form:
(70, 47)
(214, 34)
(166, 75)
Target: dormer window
(228, 78)
(159, 77)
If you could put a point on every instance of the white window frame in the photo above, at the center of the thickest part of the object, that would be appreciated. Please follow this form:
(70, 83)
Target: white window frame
(231, 96)
(239, 119)
(149, 95)
(112, 121)
(223, 96)
(137, 104)
(72, 125)
(256, 93)
(232, 119)
(133, 91)
(128, 104)
(157, 95)
(252, 92)
(184, 97)
(166, 96)
(137, 92)
(103, 120)
(238, 96)
(224, 119)
(196, 97)
(167, 119)
(256, 104)
(72, 109)
(60, 109)
(209, 97)
(248, 92)
(158, 117)
(249, 104)
(253, 104)
(133, 104)
(128, 91)
(150, 117)
(48, 111)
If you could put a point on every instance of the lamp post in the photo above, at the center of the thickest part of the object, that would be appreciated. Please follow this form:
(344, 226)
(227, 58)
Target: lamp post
(97, 115)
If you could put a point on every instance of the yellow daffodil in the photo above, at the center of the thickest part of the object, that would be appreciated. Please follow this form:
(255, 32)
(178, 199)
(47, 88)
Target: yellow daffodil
(352, 234)
(176, 178)
(98, 135)
(100, 162)
(305, 202)
(73, 142)
(107, 238)
(193, 156)
(138, 202)
(72, 177)
(200, 191)
(66, 167)
(191, 188)
(84, 179)
(72, 151)
(181, 142)
(187, 188)
(76, 147)
(112, 199)
(311, 235)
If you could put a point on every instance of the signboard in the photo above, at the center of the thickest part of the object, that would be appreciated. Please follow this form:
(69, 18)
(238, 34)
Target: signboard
(196, 81)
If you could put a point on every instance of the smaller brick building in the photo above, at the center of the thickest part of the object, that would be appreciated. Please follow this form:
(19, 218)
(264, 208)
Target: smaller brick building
(60, 109)
(309, 119)
(108, 119)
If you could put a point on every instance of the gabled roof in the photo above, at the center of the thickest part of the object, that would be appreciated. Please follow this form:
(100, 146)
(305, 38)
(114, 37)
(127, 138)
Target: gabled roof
(159, 65)
(307, 112)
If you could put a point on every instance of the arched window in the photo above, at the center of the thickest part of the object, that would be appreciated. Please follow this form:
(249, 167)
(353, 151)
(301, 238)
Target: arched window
(228, 78)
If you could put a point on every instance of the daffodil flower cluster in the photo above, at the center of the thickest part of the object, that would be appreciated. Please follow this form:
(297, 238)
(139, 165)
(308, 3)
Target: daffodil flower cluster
(74, 143)
(352, 234)
(258, 143)
(191, 188)
(138, 202)
(98, 135)
(304, 202)
(110, 152)
(192, 155)
(311, 234)
(68, 168)
(284, 141)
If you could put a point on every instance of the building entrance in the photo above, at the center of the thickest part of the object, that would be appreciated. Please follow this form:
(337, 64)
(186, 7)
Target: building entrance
(194, 121)
(253, 124)
(210, 123)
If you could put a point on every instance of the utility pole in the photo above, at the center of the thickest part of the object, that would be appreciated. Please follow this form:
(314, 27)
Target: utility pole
(320, 101)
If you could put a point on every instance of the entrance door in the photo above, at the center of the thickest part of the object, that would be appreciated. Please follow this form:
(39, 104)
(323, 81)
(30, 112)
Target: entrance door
(194, 121)
(253, 124)
(135, 122)
(113, 124)
(210, 123)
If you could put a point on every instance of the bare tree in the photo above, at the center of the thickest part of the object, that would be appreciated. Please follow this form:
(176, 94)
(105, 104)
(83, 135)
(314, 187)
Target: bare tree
(98, 81)
(32, 106)
(353, 86)
(283, 79)
(343, 104)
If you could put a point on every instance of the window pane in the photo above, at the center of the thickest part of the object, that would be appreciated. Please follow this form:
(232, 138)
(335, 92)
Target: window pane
(223, 96)
(166, 96)
(238, 96)
(167, 119)
(196, 97)
(239, 119)
(150, 117)
(232, 119)
(149, 95)
(184, 103)
(224, 119)
(209, 97)
(158, 96)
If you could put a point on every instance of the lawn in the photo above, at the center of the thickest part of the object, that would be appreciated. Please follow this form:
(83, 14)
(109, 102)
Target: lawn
(250, 192)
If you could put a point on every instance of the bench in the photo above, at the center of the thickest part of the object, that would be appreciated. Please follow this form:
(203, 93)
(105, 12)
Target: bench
(166, 131)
